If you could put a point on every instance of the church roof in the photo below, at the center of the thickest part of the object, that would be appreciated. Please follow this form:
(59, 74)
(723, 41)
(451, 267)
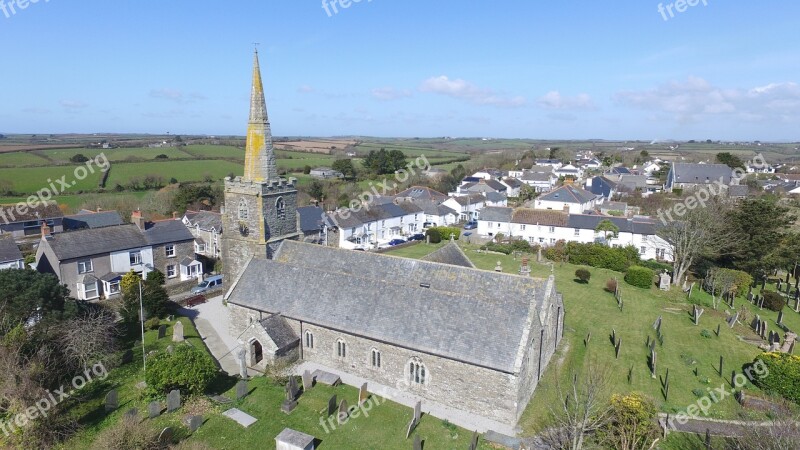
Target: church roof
(279, 331)
(450, 254)
(477, 317)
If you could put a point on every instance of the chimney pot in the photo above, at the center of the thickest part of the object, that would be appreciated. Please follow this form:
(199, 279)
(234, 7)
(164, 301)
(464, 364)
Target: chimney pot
(45, 230)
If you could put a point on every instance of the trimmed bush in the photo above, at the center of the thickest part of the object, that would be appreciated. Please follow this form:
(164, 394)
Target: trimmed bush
(639, 276)
(187, 368)
(518, 245)
(773, 301)
(583, 275)
(777, 373)
(446, 232)
(657, 266)
(434, 235)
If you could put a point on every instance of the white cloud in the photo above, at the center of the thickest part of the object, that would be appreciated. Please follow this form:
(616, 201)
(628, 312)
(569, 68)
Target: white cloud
(461, 89)
(176, 96)
(73, 104)
(305, 89)
(554, 100)
(389, 93)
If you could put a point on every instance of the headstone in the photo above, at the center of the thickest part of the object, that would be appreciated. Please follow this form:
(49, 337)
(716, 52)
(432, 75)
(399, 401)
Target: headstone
(657, 324)
(474, 441)
(332, 405)
(697, 313)
(308, 381)
(290, 439)
(498, 267)
(165, 437)
(780, 317)
(173, 400)
(177, 332)
(241, 389)
(194, 422)
(240, 417)
(664, 281)
(132, 413)
(127, 357)
(241, 356)
(617, 347)
(718, 329)
(290, 403)
(154, 410)
(162, 331)
(763, 329)
(778, 287)
(418, 412)
(750, 297)
(344, 412)
(363, 394)
(417, 443)
(539, 255)
(112, 400)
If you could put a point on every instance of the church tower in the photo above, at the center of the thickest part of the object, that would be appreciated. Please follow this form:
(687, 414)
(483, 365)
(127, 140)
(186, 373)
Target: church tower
(260, 207)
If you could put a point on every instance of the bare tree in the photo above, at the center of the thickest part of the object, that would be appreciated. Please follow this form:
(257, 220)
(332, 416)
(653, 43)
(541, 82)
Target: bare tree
(781, 433)
(89, 337)
(582, 409)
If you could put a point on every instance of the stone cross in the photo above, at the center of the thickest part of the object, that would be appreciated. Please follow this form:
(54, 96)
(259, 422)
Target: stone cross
(112, 400)
(173, 400)
(177, 332)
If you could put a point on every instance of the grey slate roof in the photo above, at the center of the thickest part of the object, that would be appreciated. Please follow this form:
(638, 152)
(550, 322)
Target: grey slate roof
(512, 182)
(8, 249)
(739, 191)
(420, 192)
(166, 232)
(568, 194)
(474, 316)
(496, 214)
(92, 220)
(471, 199)
(537, 176)
(279, 331)
(701, 173)
(310, 218)
(496, 196)
(89, 242)
(49, 210)
(206, 220)
(347, 218)
(590, 222)
(450, 254)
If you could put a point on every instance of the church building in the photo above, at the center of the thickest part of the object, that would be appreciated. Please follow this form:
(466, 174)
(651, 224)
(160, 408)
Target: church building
(468, 339)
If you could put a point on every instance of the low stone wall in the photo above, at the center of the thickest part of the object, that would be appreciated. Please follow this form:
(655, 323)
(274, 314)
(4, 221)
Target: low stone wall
(181, 287)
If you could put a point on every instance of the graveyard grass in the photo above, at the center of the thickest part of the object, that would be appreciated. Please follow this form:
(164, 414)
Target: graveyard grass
(590, 309)
(384, 428)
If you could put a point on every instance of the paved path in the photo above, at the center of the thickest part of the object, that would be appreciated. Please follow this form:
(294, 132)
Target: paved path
(460, 418)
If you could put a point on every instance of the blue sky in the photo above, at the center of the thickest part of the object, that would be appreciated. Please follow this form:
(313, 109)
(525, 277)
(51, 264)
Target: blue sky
(515, 68)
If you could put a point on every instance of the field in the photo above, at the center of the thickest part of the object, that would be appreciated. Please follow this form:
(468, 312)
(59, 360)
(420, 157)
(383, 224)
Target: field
(183, 171)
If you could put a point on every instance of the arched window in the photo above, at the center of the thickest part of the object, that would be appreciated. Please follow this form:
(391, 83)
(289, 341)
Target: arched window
(417, 373)
(280, 208)
(375, 357)
(257, 351)
(309, 339)
(244, 211)
(341, 349)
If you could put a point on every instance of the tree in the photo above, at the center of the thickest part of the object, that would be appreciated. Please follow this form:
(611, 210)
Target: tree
(186, 368)
(346, 167)
(89, 337)
(78, 158)
(779, 433)
(632, 423)
(196, 196)
(27, 295)
(527, 193)
(644, 154)
(156, 276)
(606, 226)
(554, 153)
(730, 160)
(316, 190)
(583, 275)
(306, 169)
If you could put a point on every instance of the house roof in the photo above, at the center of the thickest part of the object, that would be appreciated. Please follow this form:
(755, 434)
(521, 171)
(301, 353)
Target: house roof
(450, 254)
(92, 220)
(470, 199)
(477, 317)
(496, 197)
(568, 194)
(526, 216)
(310, 218)
(347, 218)
(89, 242)
(8, 249)
(279, 331)
(738, 190)
(537, 176)
(701, 173)
(496, 214)
(40, 211)
(512, 182)
(422, 193)
(590, 222)
(205, 220)
(166, 232)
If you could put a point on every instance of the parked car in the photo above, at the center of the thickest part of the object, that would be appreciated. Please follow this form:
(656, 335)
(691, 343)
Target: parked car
(208, 284)
(471, 225)
(417, 237)
(394, 242)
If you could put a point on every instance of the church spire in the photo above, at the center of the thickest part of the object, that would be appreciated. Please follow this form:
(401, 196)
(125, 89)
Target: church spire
(259, 162)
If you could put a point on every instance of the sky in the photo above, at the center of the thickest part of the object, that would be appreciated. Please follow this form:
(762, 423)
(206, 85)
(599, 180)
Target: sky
(568, 69)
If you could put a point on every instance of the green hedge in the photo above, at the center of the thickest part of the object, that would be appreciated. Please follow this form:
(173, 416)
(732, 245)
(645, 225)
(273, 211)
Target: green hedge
(434, 236)
(187, 368)
(656, 265)
(640, 277)
(517, 245)
(773, 301)
(445, 232)
(594, 255)
(777, 373)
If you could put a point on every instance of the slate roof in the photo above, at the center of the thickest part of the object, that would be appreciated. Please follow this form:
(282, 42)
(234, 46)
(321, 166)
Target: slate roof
(310, 218)
(167, 231)
(422, 193)
(602, 186)
(496, 196)
(450, 254)
(496, 214)
(279, 331)
(537, 176)
(8, 249)
(632, 182)
(206, 220)
(739, 191)
(527, 216)
(512, 182)
(346, 218)
(89, 242)
(473, 316)
(701, 173)
(40, 211)
(470, 199)
(92, 220)
(590, 222)
(568, 194)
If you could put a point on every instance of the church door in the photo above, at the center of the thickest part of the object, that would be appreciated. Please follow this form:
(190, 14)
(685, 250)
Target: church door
(258, 351)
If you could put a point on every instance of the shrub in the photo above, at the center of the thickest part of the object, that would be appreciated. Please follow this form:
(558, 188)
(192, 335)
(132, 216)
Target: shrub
(187, 368)
(773, 301)
(632, 418)
(162, 156)
(583, 275)
(446, 232)
(152, 324)
(611, 285)
(499, 248)
(777, 373)
(594, 255)
(434, 235)
(79, 158)
(656, 265)
(127, 434)
(639, 276)
(706, 334)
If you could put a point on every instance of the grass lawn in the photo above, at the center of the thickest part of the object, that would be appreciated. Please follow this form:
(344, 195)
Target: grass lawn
(215, 151)
(32, 179)
(20, 159)
(590, 309)
(183, 171)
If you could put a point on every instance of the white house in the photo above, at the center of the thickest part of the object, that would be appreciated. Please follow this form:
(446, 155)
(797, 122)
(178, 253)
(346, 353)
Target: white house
(569, 171)
(514, 186)
(539, 181)
(554, 163)
(467, 206)
(570, 198)
(372, 227)
(10, 256)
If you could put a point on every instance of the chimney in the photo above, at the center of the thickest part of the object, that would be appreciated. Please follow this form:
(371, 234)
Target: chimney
(137, 219)
(45, 230)
(566, 209)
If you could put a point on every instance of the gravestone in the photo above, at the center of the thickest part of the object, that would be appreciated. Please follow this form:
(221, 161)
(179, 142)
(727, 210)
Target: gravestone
(165, 437)
(756, 325)
(173, 400)
(131, 413)
(418, 412)
(617, 347)
(780, 317)
(474, 441)
(290, 439)
(112, 400)
(539, 255)
(308, 381)
(664, 281)
(778, 286)
(193, 422)
(750, 297)
(499, 267)
(162, 331)
(657, 324)
(344, 412)
(697, 313)
(241, 389)
(290, 403)
(177, 332)
(363, 394)
(241, 356)
(170, 349)
(332, 405)
(417, 443)
(154, 410)
(127, 357)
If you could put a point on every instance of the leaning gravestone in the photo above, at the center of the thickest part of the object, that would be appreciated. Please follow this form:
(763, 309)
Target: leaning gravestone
(162, 331)
(308, 381)
(127, 357)
(344, 412)
(177, 332)
(154, 409)
(474, 441)
(112, 400)
(194, 422)
(363, 394)
(332, 405)
(173, 400)
(165, 438)
(418, 412)
(241, 389)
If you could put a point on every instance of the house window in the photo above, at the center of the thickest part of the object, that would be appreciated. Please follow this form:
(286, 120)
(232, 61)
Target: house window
(341, 349)
(552, 241)
(309, 339)
(498, 224)
(170, 250)
(522, 227)
(541, 240)
(199, 248)
(280, 208)
(532, 240)
(552, 230)
(85, 266)
(244, 211)
(376, 359)
(643, 250)
(113, 287)
(417, 372)
(171, 273)
(135, 258)
(490, 224)
(90, 290)
(660, 253)
(577, 232)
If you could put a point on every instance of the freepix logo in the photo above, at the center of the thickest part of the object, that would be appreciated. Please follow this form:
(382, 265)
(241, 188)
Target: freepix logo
(331, 7)
(10, 7)
(680, 6)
